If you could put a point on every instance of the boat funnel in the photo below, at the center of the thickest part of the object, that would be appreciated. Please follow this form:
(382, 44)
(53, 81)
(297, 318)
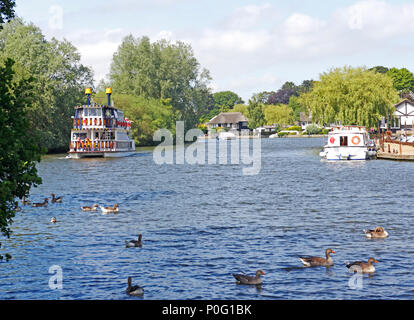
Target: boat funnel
(88, 93)
(108, 93)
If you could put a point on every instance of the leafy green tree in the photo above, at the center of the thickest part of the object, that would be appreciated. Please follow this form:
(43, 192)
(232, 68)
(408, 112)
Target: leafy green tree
(353, 96)
(240, 108)
(6, 10)
(59, 80)
(18, 147)
(379, 69)
(263, 96)
(402, 79)
(255, 114)
(162, 70)
(147, 115)
(225, 100)
(280, 114)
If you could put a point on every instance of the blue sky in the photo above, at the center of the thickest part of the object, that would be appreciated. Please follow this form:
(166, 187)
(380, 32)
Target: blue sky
(248, 46)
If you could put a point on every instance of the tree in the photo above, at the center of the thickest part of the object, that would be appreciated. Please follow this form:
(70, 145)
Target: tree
(379, 69)
(402, 79)
(225, 100)
(162, 70)
(240, 108)
(255, 114)
(59, 79)
(353, 96)
(281, 115)
(6, 11)
(263, 96)
(282, 96)
(18, 147)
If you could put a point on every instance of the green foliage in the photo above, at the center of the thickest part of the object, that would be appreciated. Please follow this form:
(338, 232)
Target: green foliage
(402, 79)
(162, 70)
(240, 108)
(255, 114)
(225, 100)
(297, 107)
(295, 128)
(6, 10)
(59, 80)
(147, 115)
(354, 96)
(312, 129)
(379, 69)
(18, 148)
(281, 114)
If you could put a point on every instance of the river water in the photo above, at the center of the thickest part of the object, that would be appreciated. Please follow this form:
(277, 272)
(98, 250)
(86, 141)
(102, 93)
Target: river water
(201, 223)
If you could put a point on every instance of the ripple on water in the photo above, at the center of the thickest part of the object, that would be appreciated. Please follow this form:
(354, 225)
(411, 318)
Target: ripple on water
(200, 224)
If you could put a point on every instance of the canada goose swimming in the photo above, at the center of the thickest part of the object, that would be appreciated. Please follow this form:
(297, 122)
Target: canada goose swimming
(87, 208)
(318, 261)
(115, 208)
(134, 243)
(57, 200)
(53, 220)
(360, 266)
(134, 290)
(378, 232)
(41, 204)
(246, 279)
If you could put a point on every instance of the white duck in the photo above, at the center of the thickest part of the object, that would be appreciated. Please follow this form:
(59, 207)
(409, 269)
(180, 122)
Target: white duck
(113, 209)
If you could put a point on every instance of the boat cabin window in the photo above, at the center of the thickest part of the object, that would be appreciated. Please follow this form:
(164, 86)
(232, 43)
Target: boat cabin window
(78, 113)
(92, 112)
(343, 141)
(120, 115)
(79, 135)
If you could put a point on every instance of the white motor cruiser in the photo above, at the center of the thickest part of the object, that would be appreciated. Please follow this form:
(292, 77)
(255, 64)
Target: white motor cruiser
(348, 143)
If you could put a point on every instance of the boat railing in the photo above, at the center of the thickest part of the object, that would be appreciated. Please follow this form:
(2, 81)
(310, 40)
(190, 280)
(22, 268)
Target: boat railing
(79, 123)
(95, 146)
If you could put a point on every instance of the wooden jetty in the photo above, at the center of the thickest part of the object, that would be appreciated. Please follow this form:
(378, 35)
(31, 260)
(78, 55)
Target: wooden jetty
(388, 148)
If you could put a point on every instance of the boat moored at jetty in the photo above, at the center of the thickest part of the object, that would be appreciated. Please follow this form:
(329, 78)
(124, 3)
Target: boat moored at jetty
(348, 143)
(100, 131)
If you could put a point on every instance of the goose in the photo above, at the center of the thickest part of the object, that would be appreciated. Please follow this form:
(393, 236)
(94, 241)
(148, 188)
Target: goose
(360, 266)
(87, 208)
(115, 208)
(246, 279)
(41, 204)
(134, 290)
(57, 200)
(53, 220)
(378, 232)
(318, 261)
(134, 243)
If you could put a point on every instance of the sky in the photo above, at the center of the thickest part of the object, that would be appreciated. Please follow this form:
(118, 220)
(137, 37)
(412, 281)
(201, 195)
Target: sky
(248, 46)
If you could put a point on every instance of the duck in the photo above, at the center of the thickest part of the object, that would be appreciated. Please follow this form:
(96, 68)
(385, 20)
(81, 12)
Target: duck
(246, 279)
(115, 208)
(41, 204)
(378, 232)
(57, 200)
(318, 261)
(87, 208)
(53, 220)
(134, 290)
(362, 266)
(134, 243)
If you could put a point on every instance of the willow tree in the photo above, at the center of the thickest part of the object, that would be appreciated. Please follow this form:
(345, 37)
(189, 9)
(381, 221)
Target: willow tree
(352, 96)
(281, 114)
